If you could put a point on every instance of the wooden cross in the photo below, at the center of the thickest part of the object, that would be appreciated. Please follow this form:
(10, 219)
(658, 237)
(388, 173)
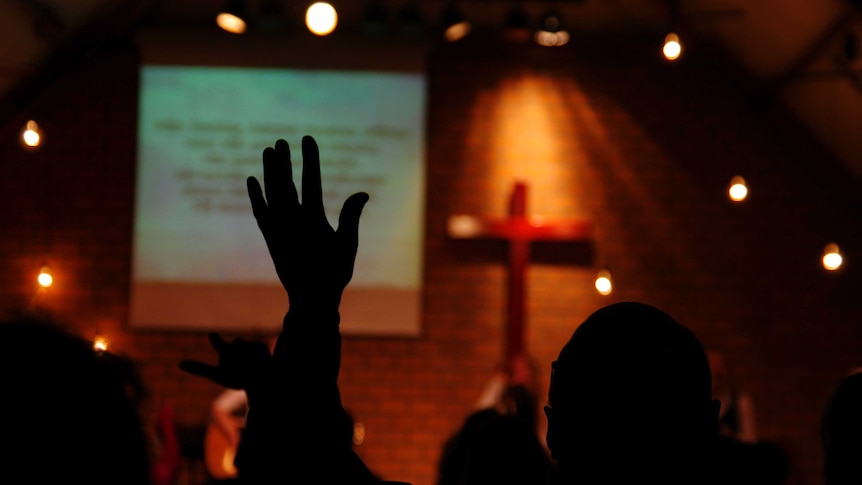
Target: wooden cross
(519, 231)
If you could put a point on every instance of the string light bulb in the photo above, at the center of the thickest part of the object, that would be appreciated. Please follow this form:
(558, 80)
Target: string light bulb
(737, 191)
(31, 135)
(321, 18)
(672, 47)
(832, 259)
(45, 278)
(603, 283)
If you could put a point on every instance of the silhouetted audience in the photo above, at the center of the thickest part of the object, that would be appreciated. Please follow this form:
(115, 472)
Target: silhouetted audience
(70, 412)
(630, 401)
(841, 433)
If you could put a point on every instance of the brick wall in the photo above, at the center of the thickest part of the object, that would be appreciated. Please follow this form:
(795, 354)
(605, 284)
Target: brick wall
(599, 130)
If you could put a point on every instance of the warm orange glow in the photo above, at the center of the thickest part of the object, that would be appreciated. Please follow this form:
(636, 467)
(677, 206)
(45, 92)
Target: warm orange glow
(464, 226)
(457, 31)
(832, 258)
(737, 191)
(672, 48)
(603, 283)
(31, 135)
(231, 23)
(321, 18)
(358, 434)
(100, 344)
(45, 278)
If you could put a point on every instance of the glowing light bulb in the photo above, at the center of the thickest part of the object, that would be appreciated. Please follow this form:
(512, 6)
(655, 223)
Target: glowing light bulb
(100, 344)
(738, 191)
(457, 31)
(31, 135)
(321, 18)
(832, 258)
(672, 49)
(231, 23)
(45, 279)
(603, 283)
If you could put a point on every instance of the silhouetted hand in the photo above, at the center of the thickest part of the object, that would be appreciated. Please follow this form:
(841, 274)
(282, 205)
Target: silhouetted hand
(241, 363)
(313, 261)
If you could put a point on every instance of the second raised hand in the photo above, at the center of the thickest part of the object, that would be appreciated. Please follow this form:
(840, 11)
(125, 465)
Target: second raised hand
(313, 261)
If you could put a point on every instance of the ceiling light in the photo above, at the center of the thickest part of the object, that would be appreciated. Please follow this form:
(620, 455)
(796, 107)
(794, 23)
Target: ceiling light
(231, 18)
(321, 18)
(672, 47)
(455, 26)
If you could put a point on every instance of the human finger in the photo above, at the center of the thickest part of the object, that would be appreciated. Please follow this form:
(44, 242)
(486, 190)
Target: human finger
(312, 190)
(278, 176)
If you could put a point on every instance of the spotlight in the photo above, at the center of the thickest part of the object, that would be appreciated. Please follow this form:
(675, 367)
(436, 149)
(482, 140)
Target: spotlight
(550, 32)
(31, 135)
(517, 24)
(321, 18)
(455, 26)
(672, 47)
(45, 278)
(603, 283)
(231, 18)
(832, 258)
(738, 191)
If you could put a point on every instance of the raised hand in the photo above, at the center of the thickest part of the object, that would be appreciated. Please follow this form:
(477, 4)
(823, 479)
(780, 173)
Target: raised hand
(241, 363)
(313, 261)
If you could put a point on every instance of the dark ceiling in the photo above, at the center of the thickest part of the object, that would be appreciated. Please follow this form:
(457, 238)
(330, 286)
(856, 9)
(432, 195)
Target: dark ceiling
(803, 53)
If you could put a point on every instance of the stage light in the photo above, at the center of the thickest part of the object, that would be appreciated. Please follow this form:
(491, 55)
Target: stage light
(737, 191)
(550, 32)
(603, 283)
(31, 135)
(321, 18)
(832, 258)
(45, 278)
(230, 19)
(672, 47)
(455, 26)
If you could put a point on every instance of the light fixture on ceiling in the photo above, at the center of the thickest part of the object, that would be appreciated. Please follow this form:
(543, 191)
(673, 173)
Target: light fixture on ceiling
(321, 18)
(832, 259)
(455, 25)
(550, 32)
(232, 17)
(603, 283)
(738, 189)
(31, 135)
(672, 47)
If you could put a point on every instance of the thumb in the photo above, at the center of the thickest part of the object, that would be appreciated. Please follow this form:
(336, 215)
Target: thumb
(348, 220)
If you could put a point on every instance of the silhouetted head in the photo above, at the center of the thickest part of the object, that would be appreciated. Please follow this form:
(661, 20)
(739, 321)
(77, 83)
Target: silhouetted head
(630, 399)
(842, 433)
(69, 414)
